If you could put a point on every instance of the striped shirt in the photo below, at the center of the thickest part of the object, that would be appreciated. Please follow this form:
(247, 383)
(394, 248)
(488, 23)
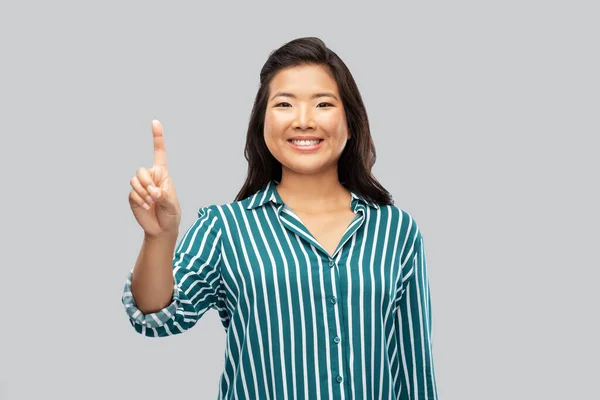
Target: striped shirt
(301, 323)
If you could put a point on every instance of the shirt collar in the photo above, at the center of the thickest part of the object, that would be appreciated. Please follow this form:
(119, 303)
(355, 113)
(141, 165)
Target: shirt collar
(269, 194)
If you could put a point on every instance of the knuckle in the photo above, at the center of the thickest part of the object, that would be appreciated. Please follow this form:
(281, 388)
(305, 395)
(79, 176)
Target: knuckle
(142, 174)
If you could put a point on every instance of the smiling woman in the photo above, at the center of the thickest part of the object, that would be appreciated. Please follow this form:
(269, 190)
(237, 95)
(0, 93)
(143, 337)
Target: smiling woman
(320, 281)
(307, 92)
(307, 124)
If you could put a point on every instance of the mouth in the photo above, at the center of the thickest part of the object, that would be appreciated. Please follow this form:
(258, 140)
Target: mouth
(307, 145)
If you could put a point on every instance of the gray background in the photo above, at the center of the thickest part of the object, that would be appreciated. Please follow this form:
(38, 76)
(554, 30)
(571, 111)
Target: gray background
(485, 121)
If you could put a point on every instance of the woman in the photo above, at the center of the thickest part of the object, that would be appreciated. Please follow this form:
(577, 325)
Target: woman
(319, 280)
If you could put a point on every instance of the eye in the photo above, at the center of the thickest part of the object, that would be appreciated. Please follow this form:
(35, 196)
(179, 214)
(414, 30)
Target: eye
(277, 105)
(325, 103)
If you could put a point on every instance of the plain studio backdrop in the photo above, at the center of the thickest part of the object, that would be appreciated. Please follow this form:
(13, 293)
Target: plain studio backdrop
(485, 119)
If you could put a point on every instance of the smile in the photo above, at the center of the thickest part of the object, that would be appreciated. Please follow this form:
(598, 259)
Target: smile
(306, 145)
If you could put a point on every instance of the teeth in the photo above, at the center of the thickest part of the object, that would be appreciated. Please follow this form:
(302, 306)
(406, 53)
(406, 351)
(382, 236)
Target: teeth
(306, 142)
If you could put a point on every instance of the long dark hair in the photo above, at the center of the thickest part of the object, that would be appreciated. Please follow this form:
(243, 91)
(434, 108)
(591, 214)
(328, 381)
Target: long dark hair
(357, 159)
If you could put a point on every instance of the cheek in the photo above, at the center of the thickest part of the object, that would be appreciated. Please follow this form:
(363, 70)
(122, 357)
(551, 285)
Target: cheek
(337, 127)
(268, 124)
(270, 134)
(273, 126)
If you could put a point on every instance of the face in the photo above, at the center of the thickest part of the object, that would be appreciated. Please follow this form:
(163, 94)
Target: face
(304, 102)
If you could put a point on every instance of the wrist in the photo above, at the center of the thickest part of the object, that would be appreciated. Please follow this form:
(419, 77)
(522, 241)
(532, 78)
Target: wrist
(161, 237)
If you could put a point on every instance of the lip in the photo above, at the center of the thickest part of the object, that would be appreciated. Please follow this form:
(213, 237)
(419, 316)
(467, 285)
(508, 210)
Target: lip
(305, 138)
(306, 149)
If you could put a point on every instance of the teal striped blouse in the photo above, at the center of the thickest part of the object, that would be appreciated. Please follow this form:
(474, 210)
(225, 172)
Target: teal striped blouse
(299, 323)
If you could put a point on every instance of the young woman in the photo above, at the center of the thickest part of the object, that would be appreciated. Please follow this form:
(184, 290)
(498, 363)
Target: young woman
(320, 281)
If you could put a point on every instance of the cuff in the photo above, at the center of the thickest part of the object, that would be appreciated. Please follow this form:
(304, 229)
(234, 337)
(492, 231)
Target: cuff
(152, 320)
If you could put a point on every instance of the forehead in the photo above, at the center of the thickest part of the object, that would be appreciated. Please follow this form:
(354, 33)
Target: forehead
(304, 79)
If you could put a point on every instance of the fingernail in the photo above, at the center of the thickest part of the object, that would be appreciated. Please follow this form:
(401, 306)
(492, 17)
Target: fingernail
(146, 206)
(149, 200)
(154, 192)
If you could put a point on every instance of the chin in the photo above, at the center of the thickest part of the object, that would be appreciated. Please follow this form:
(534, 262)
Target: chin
(304, 169)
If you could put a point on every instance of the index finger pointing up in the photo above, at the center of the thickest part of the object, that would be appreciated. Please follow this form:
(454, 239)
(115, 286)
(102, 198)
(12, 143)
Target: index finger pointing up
(160, 155)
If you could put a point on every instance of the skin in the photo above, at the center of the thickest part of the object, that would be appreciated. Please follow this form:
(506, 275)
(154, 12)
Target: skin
(309, 181)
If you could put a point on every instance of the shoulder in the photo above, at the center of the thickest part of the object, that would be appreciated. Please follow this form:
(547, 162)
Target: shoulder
(410, 237)
(404, 217)
(223, 211)
(206, 210)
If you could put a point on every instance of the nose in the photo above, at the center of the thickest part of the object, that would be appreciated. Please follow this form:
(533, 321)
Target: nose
(303, 119)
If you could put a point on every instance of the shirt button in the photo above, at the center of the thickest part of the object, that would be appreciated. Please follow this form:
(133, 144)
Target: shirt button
(339, 378)
(331, 263)
(333, 300)
(337, 339)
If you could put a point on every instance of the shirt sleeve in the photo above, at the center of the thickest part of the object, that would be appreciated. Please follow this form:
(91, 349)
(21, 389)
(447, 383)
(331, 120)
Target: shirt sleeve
(197, 277)
(414, 322)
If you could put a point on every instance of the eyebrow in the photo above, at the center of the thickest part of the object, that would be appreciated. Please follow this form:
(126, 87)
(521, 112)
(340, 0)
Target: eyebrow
(314, 96)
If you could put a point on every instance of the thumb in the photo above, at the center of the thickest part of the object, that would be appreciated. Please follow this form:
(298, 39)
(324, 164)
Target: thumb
(161, 195)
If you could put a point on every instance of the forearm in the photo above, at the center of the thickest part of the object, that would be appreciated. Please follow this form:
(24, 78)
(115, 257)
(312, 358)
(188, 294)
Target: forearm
(152, 280)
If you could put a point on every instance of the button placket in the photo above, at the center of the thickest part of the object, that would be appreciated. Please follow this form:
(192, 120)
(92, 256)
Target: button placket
(333, 300)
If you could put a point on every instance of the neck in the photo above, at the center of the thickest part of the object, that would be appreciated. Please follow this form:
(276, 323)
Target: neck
(322, 191)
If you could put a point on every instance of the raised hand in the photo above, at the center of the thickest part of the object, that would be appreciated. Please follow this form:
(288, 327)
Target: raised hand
(153, 199)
